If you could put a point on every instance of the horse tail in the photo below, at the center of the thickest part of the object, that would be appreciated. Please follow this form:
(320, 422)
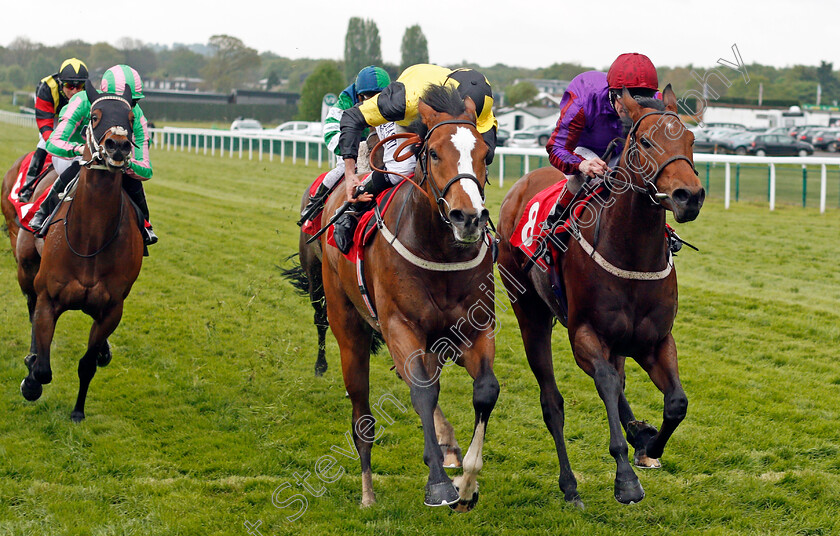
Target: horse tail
(296, 275)
(376, 342)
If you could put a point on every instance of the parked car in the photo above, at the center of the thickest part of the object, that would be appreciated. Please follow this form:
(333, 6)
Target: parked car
(826, 140)
(542, 133)
(779, 144)
(737, 143)
(733, 126)
(299, 128)
(245, 124)
(710, 140)
(777, 130)
(807, 133)
(502, 137)
(522, 138)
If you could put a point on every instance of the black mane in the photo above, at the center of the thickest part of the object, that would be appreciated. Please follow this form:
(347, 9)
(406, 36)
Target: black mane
(443, 99)
(651, 102)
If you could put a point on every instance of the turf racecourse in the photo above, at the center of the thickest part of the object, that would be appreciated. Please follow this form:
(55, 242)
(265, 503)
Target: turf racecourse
(210, 403)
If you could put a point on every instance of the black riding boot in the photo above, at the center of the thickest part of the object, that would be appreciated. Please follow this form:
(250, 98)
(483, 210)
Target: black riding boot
(134, 189)
(35, 166)
(316, 202)
(46, 209)
(345, 226)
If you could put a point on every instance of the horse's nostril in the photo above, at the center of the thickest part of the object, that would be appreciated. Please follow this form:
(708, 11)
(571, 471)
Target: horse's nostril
(110, 144)
(457, 216)
(681, 196)
(125, 147)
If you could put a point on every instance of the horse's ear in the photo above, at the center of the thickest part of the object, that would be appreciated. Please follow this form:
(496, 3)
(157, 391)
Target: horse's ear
(630, 103)
(127, 93)
(469, 104)
(670, 99)
(91, 92)
(428, 113)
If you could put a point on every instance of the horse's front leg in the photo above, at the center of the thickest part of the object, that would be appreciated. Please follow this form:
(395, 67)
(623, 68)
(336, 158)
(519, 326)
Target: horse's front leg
(97, 344)
(40, 373)
(592, 356)
(661, 366)
(421, 371)
(479, 363)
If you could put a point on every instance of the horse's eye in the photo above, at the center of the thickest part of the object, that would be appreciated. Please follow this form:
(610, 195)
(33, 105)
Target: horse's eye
(645, 143)
(433, 155)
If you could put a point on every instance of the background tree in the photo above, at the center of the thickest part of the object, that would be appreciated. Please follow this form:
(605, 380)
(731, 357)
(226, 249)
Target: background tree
(16, 76)
(103, 56)
(231, 65)
(326, 78)
(414, 48)
(829, 83)
(184, 62)
(520, 92)
(361, 47)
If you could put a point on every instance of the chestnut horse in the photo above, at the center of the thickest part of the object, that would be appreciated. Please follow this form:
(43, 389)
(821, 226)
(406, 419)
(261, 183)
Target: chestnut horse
(92, 255)
(425, 279)
(613, 312)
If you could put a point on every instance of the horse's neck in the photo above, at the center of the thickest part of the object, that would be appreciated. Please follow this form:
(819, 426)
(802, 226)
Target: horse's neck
(96, 203)
(633, 229)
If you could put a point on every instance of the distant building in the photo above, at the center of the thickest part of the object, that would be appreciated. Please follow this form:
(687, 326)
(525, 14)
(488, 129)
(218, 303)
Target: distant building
(518, 118)
(550, 87)
(178, 83)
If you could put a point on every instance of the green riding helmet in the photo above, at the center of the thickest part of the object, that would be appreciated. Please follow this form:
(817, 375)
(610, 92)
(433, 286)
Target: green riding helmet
(117, 77)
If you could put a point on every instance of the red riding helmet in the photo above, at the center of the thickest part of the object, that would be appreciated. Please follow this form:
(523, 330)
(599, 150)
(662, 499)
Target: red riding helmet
(632, 70)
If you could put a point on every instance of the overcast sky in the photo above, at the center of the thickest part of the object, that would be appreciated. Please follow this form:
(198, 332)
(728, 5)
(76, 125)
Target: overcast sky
(486, 32)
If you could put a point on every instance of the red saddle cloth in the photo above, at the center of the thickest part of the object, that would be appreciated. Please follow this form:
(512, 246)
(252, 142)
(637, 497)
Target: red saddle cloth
(366, 227)
(25, 211)
(313, 225)
(531, 230)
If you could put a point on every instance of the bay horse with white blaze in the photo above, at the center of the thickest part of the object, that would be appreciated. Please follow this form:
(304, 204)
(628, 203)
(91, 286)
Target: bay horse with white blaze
(92, 255)
(621, 293)
(422, 279)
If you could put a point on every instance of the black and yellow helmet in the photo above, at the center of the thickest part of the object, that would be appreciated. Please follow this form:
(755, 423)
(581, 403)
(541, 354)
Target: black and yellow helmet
(73, 70)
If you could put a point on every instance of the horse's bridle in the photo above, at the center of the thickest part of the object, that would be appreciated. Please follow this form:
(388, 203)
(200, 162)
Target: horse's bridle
(414, 140)
(97, 149)
(441, 193)
(649, 187)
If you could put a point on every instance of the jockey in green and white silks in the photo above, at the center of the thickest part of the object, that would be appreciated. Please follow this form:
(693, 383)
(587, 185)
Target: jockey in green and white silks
(66, 144)
(370, 81)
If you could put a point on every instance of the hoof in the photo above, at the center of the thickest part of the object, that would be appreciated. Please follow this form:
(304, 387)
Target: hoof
(368, 500)
(77, 416)
(441, 494)
(30, 389)
(465, 505)
(639, 433)
(42, 377)
(29, 361)
(642, 460)
(629, 491)
(320, 367)
(104, 356)
(577, 502)
(451, 456)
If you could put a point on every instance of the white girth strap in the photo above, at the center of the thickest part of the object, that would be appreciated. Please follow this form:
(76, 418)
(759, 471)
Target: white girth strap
(624, 274)
(431, 265)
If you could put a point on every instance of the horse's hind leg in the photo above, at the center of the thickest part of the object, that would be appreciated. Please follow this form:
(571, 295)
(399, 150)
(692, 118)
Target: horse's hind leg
(479, 363)
(589, 353)
(446, 439)
(353, 338)
(316, 295)
(98, 339)
(535, 324)
(662, 369)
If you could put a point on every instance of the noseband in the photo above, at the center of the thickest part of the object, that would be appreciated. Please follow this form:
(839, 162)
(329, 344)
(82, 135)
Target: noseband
(649, 187)
(441, 193)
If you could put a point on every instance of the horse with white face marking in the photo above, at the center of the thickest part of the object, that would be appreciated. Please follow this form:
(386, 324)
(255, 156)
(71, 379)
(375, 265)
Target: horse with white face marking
(428, 280)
